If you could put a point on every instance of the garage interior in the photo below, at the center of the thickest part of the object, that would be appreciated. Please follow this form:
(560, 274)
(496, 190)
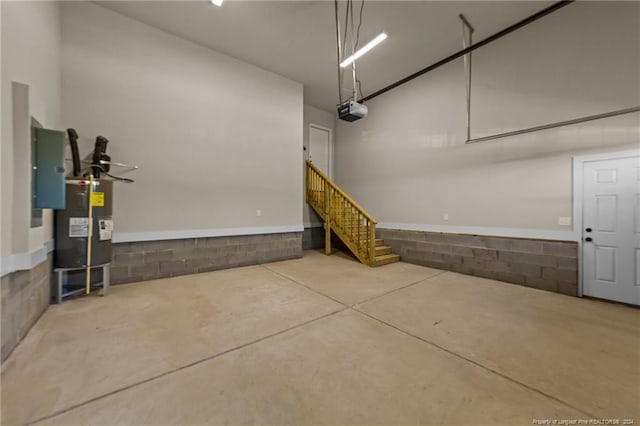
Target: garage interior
(213, 214)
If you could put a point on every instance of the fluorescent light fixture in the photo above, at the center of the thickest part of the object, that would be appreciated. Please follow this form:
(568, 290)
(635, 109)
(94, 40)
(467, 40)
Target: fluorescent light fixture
(364, 49)
(217, 2)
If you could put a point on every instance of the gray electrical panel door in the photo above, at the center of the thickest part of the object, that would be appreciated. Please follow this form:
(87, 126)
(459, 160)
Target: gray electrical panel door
(49, 169)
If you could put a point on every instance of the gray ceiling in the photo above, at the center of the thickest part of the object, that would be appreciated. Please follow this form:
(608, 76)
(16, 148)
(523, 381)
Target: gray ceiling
(296, 39)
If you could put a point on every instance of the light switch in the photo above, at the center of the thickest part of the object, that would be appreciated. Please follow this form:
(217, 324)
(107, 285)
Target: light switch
(564, 220)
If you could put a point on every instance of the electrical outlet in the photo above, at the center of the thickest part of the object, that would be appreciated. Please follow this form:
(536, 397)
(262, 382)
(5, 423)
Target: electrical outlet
(564, 220)
(258, 212)
(445, 216)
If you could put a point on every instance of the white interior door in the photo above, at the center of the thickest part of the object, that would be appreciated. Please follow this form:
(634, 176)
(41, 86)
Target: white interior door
(319, 148)
(611, 229)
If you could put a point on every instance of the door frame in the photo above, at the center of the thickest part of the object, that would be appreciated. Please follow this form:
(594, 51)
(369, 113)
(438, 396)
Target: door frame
(327, 129)
(578, 202)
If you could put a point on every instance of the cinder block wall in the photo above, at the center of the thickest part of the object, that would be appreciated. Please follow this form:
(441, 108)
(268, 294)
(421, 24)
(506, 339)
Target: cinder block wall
(541, 264)
(25, 296)
(148, 260)
(313, 238)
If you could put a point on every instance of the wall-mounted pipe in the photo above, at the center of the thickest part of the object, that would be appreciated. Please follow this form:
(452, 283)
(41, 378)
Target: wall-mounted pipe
(89, 236)
(467, 28)
(492, 38)
(339, 50)
(558, 124)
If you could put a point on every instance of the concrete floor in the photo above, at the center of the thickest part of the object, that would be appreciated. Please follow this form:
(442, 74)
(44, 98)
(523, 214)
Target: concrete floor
(325, 340)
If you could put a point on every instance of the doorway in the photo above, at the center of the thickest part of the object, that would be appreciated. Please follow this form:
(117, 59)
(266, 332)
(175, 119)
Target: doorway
(320, 148)
(607, 191)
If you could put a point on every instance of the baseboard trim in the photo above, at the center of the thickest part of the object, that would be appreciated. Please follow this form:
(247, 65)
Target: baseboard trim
(539, 234)
(25, 261)
(130, 237)
(313, 225)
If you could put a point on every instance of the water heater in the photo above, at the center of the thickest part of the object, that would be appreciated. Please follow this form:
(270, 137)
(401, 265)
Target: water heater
(72, 223)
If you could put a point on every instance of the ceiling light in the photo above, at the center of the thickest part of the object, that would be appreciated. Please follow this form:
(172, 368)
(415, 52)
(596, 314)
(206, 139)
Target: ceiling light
(217, 2)
(364, 49)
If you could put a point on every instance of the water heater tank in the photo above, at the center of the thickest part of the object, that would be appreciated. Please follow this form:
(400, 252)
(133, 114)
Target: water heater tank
(72, 224)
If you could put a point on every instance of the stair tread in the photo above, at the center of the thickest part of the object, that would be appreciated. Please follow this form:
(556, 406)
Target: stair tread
(381, 250)
(387, 256)
(386, 259)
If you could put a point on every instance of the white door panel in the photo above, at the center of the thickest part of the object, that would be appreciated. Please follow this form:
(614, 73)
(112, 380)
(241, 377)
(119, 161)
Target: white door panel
(607, 213)
(611, 234)
(605, 262)
(606, 176)
(637, 215)
(637, 283)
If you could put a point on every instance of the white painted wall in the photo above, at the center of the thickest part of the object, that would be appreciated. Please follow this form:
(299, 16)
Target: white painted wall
(30, 55)
(216, 139)
(407, 162)
(581, 60)
(325, 119)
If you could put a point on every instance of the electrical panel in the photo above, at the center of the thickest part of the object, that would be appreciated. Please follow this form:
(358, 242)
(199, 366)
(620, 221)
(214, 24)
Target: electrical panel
(48, 171)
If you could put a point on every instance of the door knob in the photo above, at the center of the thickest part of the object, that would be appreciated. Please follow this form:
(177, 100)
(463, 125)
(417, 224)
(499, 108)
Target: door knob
(588, 239)
(588, 230)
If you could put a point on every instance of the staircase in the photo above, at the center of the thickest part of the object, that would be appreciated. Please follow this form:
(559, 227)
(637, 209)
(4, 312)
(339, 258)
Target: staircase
(350, 222)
